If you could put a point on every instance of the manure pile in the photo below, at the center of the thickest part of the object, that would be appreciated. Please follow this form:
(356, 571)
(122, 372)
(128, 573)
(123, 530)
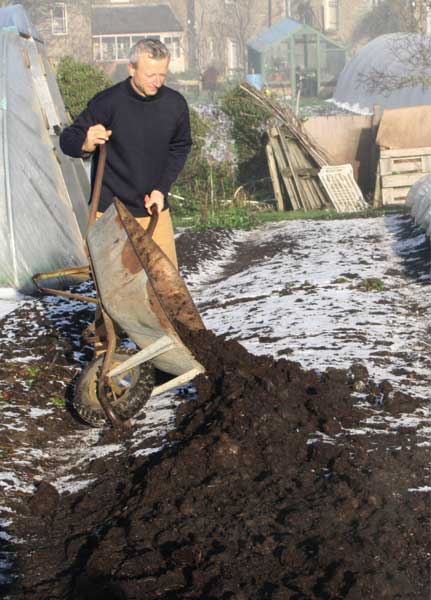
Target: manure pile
(265, 491)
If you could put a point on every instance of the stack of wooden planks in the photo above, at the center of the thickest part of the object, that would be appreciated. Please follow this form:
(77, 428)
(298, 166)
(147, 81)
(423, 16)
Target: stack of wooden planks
(297, 170)
(295, 162)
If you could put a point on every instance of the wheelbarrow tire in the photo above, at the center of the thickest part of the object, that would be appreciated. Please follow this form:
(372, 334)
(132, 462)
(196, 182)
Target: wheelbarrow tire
(132, 391)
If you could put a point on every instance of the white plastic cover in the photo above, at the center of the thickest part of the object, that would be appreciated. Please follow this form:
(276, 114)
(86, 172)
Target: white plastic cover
(43, 198)
(419, 201)
(15, 19)
(379, 54)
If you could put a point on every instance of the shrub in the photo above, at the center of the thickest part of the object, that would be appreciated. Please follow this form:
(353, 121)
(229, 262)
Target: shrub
(249, 122)
(78, 83)
(232, 217)
(203, 182)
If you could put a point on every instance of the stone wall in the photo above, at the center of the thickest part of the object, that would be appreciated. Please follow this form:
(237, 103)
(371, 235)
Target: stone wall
(76, 41)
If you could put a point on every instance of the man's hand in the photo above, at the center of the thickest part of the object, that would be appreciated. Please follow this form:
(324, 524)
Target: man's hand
(155, 197)
(96, 135)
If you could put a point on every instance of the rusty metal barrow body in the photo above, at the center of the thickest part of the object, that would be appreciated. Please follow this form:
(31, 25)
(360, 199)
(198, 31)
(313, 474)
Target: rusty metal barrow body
(141, 292)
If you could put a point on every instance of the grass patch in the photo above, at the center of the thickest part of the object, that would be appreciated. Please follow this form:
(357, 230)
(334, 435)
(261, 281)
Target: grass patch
(57, 401)
(371, 284)
(242, 217)
(326, 215)
(32, 371)
(232, 217)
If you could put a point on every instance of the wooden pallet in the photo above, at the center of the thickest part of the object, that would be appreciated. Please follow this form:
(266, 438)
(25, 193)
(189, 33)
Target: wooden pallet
(399, 170)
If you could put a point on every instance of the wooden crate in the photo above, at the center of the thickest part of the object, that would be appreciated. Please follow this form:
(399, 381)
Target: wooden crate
(399, 170)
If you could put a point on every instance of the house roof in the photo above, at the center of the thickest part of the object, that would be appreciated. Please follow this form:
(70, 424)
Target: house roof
(272, 35)
(133, 19)
(282, 30)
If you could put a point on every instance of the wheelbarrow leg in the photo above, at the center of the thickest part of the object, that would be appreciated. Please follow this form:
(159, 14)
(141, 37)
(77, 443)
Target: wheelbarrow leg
(103, 382)
(176, 382)
(158, 347)
(95, 334)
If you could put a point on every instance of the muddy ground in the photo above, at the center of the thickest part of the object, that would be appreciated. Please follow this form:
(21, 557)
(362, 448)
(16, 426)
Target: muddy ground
(267, 487)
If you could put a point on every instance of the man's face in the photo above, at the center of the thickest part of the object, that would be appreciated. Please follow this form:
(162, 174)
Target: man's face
(149, 74)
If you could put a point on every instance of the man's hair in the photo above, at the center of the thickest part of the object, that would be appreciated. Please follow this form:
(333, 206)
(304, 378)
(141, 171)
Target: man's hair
(154, 48)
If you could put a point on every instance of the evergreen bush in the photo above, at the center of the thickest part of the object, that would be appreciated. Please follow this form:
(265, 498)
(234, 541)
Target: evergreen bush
(249, 122)
(78, 83)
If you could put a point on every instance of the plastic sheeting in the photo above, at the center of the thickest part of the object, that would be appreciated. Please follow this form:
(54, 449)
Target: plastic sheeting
(43, 194)
(15, 19)
(419, 201)
(378, 54)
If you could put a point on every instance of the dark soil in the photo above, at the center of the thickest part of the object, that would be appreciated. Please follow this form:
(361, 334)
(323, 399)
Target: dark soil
(267, 489)
(247, 502)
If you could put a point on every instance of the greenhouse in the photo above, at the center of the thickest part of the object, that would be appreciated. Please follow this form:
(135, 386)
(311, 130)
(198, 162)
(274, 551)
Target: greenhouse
(43, 194)
(398, 57)
(292, 56)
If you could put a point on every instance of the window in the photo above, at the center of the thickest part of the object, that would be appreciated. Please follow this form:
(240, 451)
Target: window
(97, 49)
(123, 47)
(288, 8)
(331, 15)
(173, 44)
(109, 48)
(143, 36)
(232, 54)
(59, 19)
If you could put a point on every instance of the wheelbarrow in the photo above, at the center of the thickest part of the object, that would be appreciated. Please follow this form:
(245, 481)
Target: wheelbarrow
(139, 292)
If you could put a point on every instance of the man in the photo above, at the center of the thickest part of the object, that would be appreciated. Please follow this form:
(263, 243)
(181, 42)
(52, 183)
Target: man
(148, 128)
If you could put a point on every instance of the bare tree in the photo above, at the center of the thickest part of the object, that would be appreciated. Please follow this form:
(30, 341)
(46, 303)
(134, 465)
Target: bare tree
(238, 25)
(389, 16)
(303, 11)
(411, 56)
(209, 43)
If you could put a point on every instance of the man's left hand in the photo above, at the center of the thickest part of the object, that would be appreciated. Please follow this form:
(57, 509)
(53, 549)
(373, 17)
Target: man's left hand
(156, 197)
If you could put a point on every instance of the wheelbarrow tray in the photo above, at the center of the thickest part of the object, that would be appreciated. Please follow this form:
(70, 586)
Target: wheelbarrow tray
(142, 292)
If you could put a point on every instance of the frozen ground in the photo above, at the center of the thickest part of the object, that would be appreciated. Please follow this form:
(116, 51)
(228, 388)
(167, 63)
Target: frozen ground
(324, 293)
(327, 294)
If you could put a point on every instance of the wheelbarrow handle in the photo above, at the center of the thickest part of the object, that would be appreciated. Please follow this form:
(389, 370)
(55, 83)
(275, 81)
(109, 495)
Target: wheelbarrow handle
(153, 220)
(97, 188)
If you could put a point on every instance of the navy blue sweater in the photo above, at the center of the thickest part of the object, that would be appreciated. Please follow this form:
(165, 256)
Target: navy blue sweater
(148, 147)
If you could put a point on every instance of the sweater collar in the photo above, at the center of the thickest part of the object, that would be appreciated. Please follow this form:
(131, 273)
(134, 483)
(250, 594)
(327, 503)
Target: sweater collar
(131, 91)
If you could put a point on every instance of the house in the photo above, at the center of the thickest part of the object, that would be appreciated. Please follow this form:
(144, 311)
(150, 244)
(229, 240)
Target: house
(114, 29)
(200, 33)
(103, 33)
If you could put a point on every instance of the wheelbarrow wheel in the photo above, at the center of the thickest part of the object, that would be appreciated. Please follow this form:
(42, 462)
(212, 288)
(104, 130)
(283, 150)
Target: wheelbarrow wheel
(128, 393)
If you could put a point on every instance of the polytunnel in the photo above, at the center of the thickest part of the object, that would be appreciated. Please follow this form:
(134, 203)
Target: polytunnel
(43, 194)
(390, 54)
(419, 201)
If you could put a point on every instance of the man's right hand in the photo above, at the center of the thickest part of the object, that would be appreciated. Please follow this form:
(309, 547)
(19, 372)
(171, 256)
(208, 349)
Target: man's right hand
(96, 135)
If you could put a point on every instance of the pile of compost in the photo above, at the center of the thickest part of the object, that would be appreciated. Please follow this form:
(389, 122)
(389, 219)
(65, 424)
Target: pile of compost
(269, 488)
